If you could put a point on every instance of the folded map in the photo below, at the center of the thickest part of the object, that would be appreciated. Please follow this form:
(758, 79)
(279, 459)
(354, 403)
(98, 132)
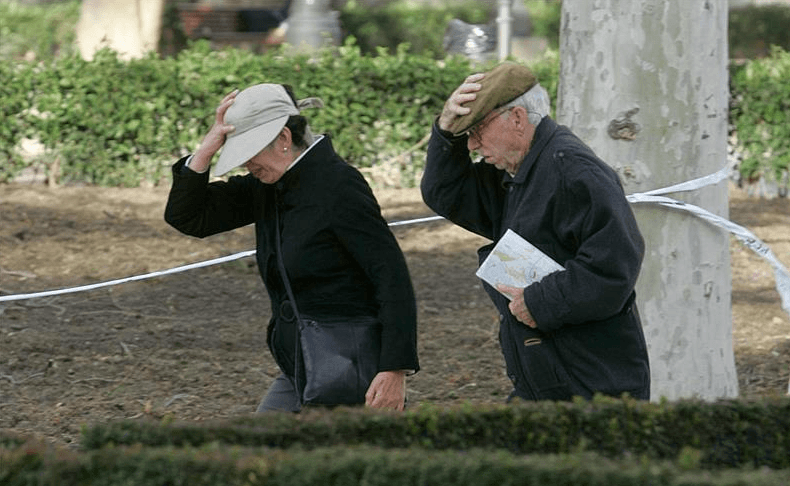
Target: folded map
(516, 262)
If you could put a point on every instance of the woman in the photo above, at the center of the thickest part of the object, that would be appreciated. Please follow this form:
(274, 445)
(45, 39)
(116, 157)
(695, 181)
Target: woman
(339, 255)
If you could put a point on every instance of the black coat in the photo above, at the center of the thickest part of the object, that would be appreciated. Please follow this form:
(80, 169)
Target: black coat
(341, 257)
(570, 205)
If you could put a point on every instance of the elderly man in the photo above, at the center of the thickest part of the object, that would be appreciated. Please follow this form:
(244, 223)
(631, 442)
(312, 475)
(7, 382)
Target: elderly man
(577, 331)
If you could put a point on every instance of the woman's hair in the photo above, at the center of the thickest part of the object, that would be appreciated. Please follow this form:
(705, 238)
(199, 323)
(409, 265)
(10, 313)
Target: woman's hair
(301, 135)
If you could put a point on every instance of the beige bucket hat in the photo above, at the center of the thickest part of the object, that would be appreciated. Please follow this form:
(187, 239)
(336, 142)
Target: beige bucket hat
(258, 115)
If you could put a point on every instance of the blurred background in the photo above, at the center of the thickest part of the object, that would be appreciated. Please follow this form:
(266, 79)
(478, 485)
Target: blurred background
(41, 29)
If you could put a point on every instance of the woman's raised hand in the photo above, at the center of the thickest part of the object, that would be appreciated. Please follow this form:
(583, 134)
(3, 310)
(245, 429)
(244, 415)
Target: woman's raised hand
(215, 138)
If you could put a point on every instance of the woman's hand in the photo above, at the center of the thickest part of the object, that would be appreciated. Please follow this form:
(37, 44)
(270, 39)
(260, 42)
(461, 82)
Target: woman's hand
(517, 305)
(454, 106)
(215, 138)
(387, 390)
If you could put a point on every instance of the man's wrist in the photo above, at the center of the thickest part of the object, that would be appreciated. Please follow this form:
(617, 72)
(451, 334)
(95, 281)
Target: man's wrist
(448, 135)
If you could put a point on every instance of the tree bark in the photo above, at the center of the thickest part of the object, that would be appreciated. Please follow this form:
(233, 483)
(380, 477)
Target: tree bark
(129, 27)
(645, 84)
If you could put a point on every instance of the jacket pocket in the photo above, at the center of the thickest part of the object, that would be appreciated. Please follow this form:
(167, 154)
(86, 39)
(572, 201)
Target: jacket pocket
(539, 372)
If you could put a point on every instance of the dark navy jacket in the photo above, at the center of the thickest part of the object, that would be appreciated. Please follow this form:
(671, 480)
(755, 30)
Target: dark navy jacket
(571, 205)
(342, 260)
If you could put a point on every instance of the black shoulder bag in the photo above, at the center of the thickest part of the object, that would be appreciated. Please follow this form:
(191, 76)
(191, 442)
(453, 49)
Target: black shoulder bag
(335, 359)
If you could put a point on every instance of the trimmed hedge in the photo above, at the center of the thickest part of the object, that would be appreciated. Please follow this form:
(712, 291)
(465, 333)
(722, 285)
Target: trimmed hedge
(605, 441)
(722, 434)
(112, 122)
(35, 463)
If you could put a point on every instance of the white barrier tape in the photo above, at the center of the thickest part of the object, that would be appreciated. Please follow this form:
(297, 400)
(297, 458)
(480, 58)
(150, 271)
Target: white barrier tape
(653, 197)
(191, 266)
(693, 184)
(414, 221)
(748, 238)
(184, 268)
(744, 235)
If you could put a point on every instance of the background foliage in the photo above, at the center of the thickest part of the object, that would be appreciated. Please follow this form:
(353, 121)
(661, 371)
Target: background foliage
(760, 112)
(43, 31)
(403, 22)
(545, 15)
(754, 29)
(122, 123)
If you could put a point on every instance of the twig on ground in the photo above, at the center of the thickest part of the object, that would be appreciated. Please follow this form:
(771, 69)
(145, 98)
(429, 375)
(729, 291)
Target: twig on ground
(18, 273)
(125, 348)
(178, 397)
(34, 375)
(85, 380)
(48, 302)
(19, 382)
(130, 311)
(4, 308)
(126, 313)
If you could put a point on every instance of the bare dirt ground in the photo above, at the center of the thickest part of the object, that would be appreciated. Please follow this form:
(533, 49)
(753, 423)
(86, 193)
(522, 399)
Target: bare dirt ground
(192, 345)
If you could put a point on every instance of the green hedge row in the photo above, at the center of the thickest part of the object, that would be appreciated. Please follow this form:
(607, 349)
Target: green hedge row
(111, 122)
(35, 463)
(717, 435)
(760, 114)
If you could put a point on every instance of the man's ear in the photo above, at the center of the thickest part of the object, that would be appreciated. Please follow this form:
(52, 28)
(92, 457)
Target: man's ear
(521, 116)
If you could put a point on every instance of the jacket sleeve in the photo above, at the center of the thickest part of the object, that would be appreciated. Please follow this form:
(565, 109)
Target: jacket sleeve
(599, 279)
(358, 224)
(199, 208)
(466, 193)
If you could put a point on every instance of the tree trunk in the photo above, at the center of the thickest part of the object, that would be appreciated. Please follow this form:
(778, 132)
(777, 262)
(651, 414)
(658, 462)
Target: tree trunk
(129, 27)
(645, 84)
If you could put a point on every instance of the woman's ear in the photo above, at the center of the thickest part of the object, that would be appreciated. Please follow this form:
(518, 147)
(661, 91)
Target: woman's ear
(285, 138)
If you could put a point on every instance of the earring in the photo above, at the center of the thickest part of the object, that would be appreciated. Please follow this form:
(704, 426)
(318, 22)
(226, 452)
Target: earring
(285, 149)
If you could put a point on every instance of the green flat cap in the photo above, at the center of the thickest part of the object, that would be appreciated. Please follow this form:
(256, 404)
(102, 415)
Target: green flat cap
(501, 85)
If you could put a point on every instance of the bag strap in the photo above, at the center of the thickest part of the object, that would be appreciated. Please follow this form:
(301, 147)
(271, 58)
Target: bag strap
(287, 284)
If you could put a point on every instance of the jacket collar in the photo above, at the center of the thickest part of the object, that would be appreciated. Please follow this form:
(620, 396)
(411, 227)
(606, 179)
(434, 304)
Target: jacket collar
(318, 139)
(319, 151)
(543, 133)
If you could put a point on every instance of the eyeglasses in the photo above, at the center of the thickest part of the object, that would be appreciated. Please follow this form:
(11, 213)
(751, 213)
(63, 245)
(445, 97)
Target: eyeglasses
(476, 132)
